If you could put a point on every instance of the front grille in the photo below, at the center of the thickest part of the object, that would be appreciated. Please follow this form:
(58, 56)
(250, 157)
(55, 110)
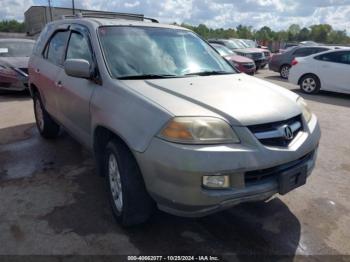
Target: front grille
(248, 66)
(257, 56)
(268, 173)
(272, 134)
(267, 54)
(5, 84)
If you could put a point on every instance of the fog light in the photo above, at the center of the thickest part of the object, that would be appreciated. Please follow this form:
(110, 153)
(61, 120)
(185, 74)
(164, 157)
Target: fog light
(216, 181)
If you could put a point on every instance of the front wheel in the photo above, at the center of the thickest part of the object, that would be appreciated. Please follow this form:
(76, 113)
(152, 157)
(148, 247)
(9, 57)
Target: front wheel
(47, 127)
(310, 84)
(130, 201)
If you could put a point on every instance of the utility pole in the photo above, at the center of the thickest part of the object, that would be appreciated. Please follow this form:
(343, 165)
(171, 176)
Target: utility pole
(73, 6)
(50, 10)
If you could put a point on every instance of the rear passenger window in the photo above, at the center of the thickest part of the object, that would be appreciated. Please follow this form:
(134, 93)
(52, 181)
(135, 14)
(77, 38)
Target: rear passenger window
(320, 49)
(54, 51)
(342, 57)
(304, 52)
(345, 58)
(79, 48)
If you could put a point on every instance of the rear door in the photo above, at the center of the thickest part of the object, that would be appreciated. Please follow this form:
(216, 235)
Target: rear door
(49, 68)
(75, 93)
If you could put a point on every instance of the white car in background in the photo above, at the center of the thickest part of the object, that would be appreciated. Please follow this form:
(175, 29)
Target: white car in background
(329, 71)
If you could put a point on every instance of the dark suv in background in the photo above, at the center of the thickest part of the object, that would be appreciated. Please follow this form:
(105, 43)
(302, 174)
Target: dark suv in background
(282, 62)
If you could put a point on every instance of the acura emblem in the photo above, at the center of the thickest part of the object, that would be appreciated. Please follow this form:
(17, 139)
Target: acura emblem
(287, 132)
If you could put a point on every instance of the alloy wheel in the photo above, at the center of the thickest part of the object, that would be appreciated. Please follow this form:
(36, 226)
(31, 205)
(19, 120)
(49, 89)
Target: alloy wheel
(115, 182)
(285, 72)
(309, 85)
(39, 114)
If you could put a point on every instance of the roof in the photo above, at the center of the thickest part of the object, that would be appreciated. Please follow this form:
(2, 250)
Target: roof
(96, 22)
(110, 22)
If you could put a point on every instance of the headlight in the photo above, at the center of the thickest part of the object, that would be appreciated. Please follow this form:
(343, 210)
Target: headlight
(307, 114)
(198, 130)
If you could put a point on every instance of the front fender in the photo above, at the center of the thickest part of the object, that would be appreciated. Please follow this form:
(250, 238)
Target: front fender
(128, 114)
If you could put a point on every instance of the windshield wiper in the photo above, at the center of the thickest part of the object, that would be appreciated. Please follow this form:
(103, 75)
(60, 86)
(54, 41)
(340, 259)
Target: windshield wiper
(147, 76)
(208, 73)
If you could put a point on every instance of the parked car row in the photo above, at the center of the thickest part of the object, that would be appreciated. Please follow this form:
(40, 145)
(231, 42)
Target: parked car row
(281, 63)
(259, 56)
(310, 70)
(242, 63)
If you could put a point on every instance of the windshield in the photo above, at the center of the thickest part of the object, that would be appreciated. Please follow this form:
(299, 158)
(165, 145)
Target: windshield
(237, 43)
(224, 51)
(249, 43)
(232, 45)
(16, 49)
(141, 51)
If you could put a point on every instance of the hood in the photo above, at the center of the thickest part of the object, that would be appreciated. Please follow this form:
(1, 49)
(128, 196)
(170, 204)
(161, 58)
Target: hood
(239, 59)
(238, 98)
(263, 47)
(265, 50)
(248, 50)
(16, 62)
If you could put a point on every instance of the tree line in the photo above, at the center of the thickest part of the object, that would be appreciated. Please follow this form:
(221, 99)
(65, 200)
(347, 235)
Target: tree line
(12, 26)
(322, 33)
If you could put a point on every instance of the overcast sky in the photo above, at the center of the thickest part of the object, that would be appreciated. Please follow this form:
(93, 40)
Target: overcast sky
(277, 14)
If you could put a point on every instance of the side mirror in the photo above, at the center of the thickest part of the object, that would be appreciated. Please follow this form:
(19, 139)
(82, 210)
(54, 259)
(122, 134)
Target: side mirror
(77, 68)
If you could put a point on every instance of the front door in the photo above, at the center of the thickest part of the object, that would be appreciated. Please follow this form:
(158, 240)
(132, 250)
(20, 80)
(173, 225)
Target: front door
(75, 93)
(48, 68)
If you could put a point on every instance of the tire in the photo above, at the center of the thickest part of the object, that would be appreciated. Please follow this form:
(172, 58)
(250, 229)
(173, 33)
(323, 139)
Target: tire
(130, 201)
(310, 84)
(47, 127)
(284, 71)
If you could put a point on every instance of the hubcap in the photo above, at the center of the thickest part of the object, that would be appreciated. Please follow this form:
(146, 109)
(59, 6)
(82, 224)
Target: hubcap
(39, 115)
(285, 71)
(308, 85)
(115, 182)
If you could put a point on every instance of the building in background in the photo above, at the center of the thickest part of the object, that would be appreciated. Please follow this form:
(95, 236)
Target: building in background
(36, 17)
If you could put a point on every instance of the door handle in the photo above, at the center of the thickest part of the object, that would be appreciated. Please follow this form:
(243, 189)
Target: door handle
(59, 83)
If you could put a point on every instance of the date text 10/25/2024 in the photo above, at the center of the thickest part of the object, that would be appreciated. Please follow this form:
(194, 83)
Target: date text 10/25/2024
(173, 258)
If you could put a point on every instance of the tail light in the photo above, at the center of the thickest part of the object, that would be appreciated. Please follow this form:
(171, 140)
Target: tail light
(294, 62)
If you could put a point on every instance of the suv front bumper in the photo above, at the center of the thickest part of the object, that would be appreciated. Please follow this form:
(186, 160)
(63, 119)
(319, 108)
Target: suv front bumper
(173, 172)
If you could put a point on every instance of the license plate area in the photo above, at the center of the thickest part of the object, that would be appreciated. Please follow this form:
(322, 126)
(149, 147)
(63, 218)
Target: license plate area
(291, 179)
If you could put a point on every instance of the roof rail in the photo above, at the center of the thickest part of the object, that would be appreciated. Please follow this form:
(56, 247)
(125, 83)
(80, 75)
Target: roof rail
(151, 19)
(110, 15)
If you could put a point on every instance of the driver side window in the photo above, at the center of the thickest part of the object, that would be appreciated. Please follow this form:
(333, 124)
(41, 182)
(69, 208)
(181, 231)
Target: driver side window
(79, 48)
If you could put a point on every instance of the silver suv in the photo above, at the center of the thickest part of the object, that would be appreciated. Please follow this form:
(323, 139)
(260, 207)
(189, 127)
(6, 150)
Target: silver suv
(170, 122)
